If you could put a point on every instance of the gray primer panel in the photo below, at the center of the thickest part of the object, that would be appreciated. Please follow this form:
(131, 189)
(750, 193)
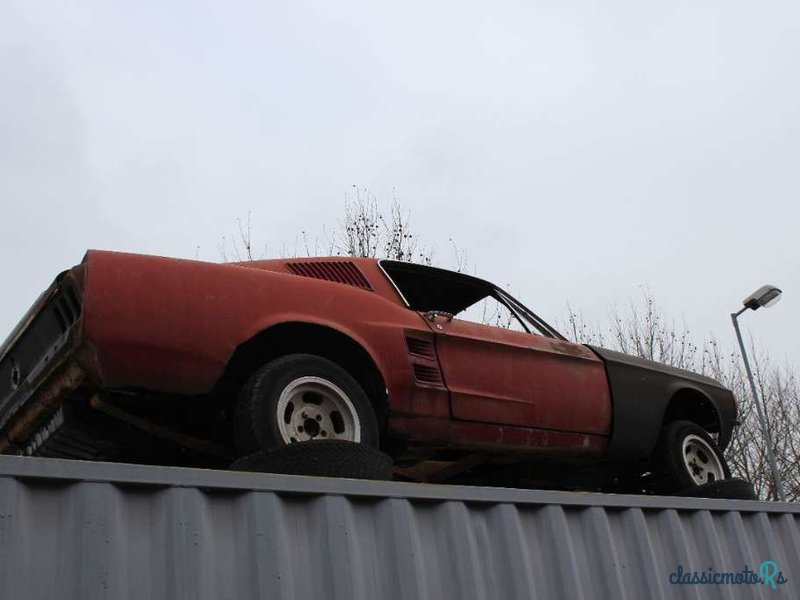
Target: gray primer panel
(70, 529)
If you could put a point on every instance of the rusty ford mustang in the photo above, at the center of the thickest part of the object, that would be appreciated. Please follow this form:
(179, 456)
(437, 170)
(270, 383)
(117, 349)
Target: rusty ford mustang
(160, 360)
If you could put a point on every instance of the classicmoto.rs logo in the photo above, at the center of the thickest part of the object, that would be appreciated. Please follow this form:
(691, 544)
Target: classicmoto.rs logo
(768, 573)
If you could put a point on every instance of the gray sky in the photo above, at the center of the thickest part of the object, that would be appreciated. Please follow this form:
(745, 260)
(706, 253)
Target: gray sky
(576, 151)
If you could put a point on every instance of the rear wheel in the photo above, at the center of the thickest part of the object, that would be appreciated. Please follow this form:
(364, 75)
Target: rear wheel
(299, 398)
(687, 456)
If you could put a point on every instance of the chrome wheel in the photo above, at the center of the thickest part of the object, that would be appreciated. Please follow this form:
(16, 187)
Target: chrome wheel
(701, 461)
(314, 408)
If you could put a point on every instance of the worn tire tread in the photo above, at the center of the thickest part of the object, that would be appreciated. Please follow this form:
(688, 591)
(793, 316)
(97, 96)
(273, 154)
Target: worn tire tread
(730, 489)
(320, 458)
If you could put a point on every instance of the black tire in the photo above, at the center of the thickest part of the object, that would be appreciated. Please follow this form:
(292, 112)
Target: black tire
(257, 425)
(671, 468)
(730, 489)
(320, 458)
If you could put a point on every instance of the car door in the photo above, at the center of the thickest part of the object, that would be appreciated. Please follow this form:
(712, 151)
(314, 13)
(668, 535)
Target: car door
(497, 375)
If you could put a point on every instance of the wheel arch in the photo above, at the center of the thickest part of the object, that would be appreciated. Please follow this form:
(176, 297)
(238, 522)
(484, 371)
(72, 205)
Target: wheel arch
(692, 404)
(301, 337)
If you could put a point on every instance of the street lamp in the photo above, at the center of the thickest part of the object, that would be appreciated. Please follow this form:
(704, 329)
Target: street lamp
(765, 296)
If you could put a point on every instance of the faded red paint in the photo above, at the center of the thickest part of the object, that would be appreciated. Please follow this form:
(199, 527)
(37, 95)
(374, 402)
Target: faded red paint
(479, 436)
(172, 325)
(509, 377)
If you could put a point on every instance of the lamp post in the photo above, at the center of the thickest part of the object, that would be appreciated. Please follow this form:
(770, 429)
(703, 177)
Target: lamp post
(765, 296)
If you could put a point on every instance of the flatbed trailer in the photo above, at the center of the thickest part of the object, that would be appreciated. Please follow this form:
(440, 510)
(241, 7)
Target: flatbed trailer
(85, 530)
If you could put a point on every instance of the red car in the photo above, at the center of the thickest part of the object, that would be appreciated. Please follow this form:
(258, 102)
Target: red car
(164, 360)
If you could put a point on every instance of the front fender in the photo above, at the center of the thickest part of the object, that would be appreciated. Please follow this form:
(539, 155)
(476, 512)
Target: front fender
(641, 391)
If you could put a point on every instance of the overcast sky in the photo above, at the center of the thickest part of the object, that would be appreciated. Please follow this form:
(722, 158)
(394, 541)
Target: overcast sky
(576, 151)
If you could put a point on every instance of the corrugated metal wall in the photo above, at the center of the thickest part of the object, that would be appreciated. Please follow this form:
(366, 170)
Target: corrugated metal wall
(93, 530)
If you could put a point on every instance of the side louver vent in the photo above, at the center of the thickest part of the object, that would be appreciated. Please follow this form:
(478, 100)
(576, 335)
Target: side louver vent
(427, 375)
(421, 348)
(340, 272)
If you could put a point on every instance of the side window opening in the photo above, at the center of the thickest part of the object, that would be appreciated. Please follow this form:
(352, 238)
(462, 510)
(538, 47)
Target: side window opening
(490, 311)
(426, 289)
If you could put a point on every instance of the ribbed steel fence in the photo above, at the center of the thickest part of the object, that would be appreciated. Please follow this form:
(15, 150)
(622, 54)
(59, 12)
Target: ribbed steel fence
(95, 530)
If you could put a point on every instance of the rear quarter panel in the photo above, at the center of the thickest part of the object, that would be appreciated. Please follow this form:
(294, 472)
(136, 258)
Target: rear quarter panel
(172, 325)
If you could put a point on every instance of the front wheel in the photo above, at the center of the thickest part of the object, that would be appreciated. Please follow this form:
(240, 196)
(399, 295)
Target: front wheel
(302, 397)
(686, 456)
